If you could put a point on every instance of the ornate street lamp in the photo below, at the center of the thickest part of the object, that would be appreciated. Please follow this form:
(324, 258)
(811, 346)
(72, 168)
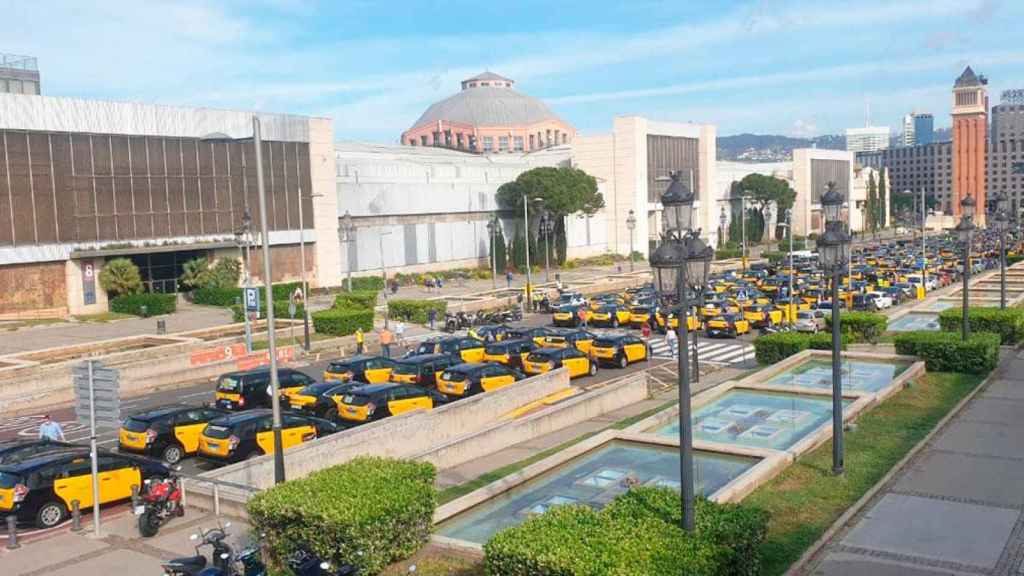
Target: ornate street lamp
(631, 225)
(965, 232)
(834, 252)
(723, 221)
(681, 263)
(1002, 222)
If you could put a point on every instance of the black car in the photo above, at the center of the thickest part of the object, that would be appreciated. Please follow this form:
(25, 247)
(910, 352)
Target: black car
(251, 388)
(361, 368)
(510, 352)
(17, 450)
(169, 432)
(377, 401)
(250, 434)
(317, 399)
(421, 369)
(41, 489)
(465, 380)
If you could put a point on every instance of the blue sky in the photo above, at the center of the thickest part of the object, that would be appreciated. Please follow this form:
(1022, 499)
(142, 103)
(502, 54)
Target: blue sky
(795, 67)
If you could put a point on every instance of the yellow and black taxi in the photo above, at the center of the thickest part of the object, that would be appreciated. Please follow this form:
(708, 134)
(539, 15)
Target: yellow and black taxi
(570, 316)
(464, 380)
(547, 359)
(237, 437)
(361, 368)
(692, 322)
(251, 388)
(460, 348)
(640, 314)
(716, 307)
(15, 450)
(536, 334)
(376, 401)
(731, 325)
(612, 315)
(41, 488)
(421, 369)
(579, 339)
(619, 349)
(489, 332)
(762, 315)
(169, 432)
(510, 352)
(317, 399)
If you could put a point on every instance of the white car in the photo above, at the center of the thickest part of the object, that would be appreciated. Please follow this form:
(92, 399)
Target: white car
(809, 321)
(881, 300)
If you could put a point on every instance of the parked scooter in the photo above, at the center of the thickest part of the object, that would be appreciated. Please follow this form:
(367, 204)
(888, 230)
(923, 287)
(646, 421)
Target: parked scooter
(161, 501)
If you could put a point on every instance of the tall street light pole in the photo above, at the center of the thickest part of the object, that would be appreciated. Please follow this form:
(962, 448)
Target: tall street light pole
(680, 263)
(631, 226)
(384, 273)
(546, 225)
(924, 245)
(834, 251)
(1002, 221)
(302, 265)
(346, 235)
(965, 232)
(492, 231)
(243, 237)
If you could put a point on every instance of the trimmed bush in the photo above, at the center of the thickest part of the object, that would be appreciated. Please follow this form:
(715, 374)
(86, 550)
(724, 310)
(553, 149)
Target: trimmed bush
(369, 512)
(741, 529)
(342, 322)
(416, 310)
(375, 283)
(727, 253)
(774, 348)
(362, 299)
(947, 352)
(861, 326)
(156, 304)
(215, 296)
(1008, 323)
(280, 311)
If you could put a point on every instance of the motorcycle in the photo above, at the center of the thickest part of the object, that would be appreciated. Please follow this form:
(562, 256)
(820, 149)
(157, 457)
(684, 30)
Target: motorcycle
(161, 501)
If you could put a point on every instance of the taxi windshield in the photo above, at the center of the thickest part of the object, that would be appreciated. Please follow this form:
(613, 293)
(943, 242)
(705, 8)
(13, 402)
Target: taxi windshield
(8, 480)
(135, 425)
(339, 367)
(229, 384)
(356, 399)
(214, 431)
(538, 358)
(453, 376)
(605, 343)
(495, 349)
(317, 389)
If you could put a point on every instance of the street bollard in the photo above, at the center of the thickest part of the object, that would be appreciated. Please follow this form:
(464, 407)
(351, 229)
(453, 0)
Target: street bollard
(76, 516)
(12, 532)
(135, 496)
(216, 500)
(161, 327)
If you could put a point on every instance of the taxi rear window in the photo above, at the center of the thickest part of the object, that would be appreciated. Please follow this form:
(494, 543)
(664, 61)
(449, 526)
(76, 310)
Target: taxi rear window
(495, 349)
(135, 425)
(538, 358)
(451, 376)
(317, 389)
(605, 343)
(339, 367)
(406, 368)
(8, 480)
(215, 431)
(356, 399)
(229, 384)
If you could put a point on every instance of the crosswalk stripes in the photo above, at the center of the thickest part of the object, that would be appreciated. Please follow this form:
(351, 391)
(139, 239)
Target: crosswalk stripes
(707, 351)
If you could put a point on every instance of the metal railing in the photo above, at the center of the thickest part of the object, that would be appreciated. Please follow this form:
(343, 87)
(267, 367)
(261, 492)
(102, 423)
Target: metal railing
(248, 491)
(19, 62)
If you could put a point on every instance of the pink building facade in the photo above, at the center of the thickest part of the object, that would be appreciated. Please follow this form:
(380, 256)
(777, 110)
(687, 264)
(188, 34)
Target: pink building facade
(488, 116)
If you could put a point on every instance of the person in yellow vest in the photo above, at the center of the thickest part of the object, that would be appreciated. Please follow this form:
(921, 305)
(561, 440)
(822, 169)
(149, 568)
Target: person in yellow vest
(359, 340)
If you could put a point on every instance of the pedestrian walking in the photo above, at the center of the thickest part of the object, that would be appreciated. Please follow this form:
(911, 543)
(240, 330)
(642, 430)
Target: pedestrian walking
(432, 317)
(50, 430)
(508, 278)
(359, 340)
(672, 341)
(400, 333)
(645, 330)
(439, 283)
(386, 340)
(582, 313)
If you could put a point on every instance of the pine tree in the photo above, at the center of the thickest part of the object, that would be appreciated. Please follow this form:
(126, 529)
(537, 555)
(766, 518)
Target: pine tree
(500, 251)
(871, 213)
(883, 203)
(519, 251)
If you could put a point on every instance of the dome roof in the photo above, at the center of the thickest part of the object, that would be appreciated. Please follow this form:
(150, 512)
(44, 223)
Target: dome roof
(493, 104)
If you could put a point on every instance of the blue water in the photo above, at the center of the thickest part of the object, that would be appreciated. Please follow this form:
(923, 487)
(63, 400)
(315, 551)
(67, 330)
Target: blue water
(857, 375)
(915, 321)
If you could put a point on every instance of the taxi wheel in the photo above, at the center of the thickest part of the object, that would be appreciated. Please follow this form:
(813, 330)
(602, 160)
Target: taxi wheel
(51, 514)
(331, 414)
(172, 454)
(623, 361)
(593, 368)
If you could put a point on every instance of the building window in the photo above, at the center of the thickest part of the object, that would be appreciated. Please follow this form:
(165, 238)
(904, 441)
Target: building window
(412, 141)
(532, 145)
(549, 137)
(485, 83)
(472, 143)
(458, 140)
(502, 143)
(423, 140)
(488, 143)
(565, 138)
(518, 143)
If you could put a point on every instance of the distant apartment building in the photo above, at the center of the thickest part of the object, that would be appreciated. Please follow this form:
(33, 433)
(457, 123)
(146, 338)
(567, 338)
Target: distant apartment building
(917, 129)
(867, 139)
(1006, 148)
(19, 74)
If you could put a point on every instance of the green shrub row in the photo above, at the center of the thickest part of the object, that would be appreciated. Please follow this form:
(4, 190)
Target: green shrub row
(947, 352)
(369, 512)
(416, 310)
(365, 299)
(156, 304)
(727, 253)
(361, 283)
(861, 326)
(1008, 323)
(638, 533)
(280, 311)
(342, 321)
(213, 296)
(774, 348)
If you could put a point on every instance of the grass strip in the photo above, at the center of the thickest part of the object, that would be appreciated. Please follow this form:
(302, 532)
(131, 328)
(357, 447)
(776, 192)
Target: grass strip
(805, 499)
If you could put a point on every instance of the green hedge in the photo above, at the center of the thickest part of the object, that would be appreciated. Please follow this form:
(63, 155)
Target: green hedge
(638, 533)
(947, 352)
(362, 299)
(1008, 323)
(416, 310)
(375, 283)
(369, 512)
(227, 296)
(1011, 260)
(156, 304)
(280, 311)
(861, 326)
(726, 253)
(342, 322)
(776, 347)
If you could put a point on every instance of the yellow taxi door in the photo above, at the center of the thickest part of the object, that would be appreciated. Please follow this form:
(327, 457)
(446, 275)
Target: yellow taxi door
(635, 352)
(576, 366)
(75, 484)
(188, 436)
(489, 383)
(117, 479)
(472, 355)
(402, 400)
(377, 375)
(296, 432)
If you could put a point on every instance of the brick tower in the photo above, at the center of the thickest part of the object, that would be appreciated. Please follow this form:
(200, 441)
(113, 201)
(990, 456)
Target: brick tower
(970, 136)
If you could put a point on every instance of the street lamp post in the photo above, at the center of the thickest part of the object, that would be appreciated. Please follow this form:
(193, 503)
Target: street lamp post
(347, 235)
(243, 238)
(834, 250)
(631, 225)
(528, 301)
(790, 307)
(1002, 221)
(681, 263)
(547, 226)
(302, 265)
(743, 229)
(924, 245)
(492, 232)
(965, 232)
(384, 272)
(723, 221)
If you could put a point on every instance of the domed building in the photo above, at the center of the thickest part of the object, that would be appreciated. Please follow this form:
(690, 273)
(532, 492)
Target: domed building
(489, 117)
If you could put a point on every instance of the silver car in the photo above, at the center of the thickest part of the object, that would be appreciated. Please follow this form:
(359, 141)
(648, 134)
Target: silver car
(810, 321)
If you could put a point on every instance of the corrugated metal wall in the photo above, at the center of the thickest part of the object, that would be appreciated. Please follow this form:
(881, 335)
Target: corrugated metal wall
(825, 171)
(666, 154)
(60, 187)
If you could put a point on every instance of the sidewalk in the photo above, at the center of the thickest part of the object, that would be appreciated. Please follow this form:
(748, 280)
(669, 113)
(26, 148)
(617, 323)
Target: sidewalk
(956, 507)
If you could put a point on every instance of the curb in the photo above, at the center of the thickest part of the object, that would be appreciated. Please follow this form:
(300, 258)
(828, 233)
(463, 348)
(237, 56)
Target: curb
(809, 557)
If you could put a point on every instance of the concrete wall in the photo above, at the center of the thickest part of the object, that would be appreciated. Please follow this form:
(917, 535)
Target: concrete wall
(398, 436)
(327, 250)
(26, 287)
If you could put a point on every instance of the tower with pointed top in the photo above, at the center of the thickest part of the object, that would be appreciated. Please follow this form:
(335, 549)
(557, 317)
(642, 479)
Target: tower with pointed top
(970, 138)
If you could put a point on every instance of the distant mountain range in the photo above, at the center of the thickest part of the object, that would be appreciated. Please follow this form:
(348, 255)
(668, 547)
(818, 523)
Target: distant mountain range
(778, 148)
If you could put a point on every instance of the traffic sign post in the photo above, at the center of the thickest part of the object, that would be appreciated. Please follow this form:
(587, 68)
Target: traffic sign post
(251, 297)
(98, 403)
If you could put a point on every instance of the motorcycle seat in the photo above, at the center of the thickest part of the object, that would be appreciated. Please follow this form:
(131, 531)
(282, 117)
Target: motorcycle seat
(191, 563)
